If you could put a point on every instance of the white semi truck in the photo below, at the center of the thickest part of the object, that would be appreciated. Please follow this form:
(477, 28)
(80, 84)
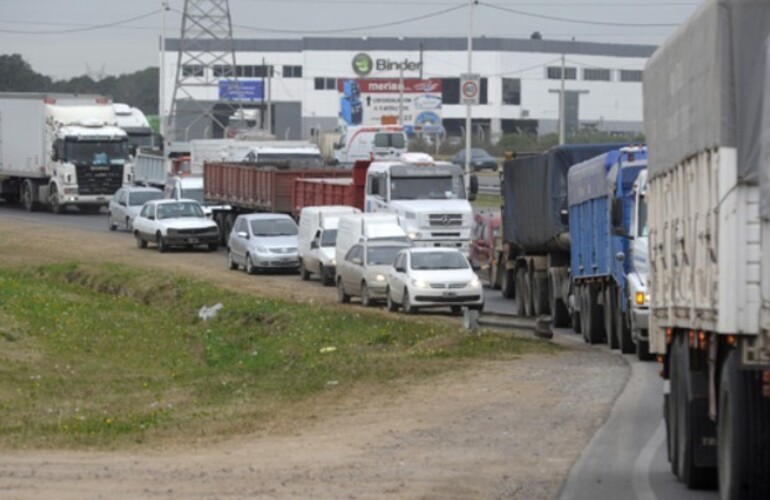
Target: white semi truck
(707, 123)
(59, 150)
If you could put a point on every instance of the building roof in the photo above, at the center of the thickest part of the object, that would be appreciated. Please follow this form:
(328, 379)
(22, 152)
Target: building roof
(436, 44)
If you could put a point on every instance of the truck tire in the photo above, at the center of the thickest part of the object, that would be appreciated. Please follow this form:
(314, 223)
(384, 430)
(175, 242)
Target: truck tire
(672, 437)
(642, 349)
(540, 302)
(691, 426)
(610, 309)
(623, 325)
(559, 313)
(508, 283)
(529, 302)
(521, 306)
(56, 206)
(594, 326)
(28, 196)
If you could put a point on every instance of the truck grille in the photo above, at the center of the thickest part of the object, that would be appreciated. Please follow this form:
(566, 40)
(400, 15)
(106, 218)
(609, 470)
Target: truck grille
(99, 180)
(445, 219)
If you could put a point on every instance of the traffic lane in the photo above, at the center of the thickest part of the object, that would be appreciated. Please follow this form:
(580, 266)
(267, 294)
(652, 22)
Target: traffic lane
(69, 218)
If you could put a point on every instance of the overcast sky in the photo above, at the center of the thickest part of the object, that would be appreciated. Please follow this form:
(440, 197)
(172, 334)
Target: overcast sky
(133, 45)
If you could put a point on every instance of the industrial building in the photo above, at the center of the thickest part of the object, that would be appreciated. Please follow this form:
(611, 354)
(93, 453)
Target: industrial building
(303, 82)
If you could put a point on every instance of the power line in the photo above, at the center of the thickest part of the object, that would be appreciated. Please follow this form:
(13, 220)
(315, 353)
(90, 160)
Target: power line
(85, 28)
(346, 30)
(577, 21)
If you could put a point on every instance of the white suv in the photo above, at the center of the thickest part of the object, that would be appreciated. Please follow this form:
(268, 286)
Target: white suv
(174, 223)
(424, 277)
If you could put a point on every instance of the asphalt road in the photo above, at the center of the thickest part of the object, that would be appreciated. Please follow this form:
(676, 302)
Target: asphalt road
(626, 459)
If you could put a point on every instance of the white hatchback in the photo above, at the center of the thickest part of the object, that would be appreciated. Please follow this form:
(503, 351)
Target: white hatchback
(263, 241)
(174, 223)
(127, 203)
(423, 277)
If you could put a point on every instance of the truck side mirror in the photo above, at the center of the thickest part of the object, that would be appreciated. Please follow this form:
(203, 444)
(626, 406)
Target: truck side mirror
(314, 244)
(616, 213)
(474, 187)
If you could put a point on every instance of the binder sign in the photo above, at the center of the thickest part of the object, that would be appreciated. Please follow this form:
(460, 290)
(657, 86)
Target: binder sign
(470, 86)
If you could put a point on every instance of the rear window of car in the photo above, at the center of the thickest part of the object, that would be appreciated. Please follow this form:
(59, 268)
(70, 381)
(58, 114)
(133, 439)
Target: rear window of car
(139, 198)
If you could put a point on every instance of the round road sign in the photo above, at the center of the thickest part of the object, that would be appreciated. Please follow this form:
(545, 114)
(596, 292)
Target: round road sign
(470, 89)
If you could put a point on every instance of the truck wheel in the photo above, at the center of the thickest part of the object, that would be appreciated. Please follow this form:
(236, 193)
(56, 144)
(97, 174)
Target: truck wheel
(670, 406)
(529, 305)
(732, 443)
(559, 313)
(508, 283)
(56, 206)
(540, 302)
(28, 196)
(303, 273)
(642, 348)
(692, 426)
(582, 296)
(521, 307)
(610, 320)
(594, 326)
(623, 326)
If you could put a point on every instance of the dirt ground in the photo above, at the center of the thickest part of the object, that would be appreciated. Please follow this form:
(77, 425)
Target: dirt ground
(497, 430)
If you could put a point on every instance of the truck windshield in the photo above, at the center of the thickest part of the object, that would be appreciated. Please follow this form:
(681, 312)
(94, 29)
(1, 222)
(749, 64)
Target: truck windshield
(329, 238)
(641, 223)
(431, 188)
(273, 227)
(392, 140)
(96, 152)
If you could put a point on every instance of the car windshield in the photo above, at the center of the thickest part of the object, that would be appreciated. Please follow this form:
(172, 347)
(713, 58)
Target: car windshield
(479, 153)
(438, 260)
(329, 238)
(382, 256)
(273, 227)
(179, 210)
(139, 198)
(193, 194)
(424, 188)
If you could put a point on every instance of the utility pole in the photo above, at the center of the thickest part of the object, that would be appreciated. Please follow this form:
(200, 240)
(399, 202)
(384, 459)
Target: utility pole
(269, 71)
(468, 105)
(561, 104)
(162, 74)
(401, 97)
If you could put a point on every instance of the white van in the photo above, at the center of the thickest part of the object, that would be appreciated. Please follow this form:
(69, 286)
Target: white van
(352, 229)
(317, 238)
(370, 142)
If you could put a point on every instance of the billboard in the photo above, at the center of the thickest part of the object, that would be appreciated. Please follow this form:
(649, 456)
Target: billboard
(241, 90)
(376, 101)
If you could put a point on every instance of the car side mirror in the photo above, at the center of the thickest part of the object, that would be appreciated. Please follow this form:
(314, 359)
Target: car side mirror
(357, 261)
(474, 187)
(400, 269)
(151, 217)
(313, 244)
(242, 234)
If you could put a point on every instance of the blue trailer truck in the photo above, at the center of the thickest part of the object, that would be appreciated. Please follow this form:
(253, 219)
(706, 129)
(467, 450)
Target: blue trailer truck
(608, 254)
(533, 261)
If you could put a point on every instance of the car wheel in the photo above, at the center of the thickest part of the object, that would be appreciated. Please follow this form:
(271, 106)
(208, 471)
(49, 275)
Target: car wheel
(366, 301)
(406, 305)
(392, 305)
(327, 278)
(342, 297)
(231, 264)
(213, 247)
(456, 310)
(162, 246)
(128, 224)
(303, 273)
(140, 243)
(111, 223)
(250, 269)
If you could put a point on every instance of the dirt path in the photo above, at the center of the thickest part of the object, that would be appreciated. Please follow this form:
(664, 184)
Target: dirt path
(498, 430)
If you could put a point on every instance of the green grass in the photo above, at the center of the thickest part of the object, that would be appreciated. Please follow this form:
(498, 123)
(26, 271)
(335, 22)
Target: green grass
(104, 355)
(487, 201)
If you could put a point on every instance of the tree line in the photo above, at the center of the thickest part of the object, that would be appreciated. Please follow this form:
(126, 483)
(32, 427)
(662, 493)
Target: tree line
(138, 89)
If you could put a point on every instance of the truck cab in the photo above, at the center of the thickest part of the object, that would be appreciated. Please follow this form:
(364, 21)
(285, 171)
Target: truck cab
(428, 196)
(638, 294)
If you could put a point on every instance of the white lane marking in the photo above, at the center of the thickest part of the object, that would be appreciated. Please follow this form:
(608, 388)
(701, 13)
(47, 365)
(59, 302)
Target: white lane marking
(640, 478)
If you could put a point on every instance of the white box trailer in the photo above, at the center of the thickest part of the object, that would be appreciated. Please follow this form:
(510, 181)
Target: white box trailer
(60, 149)
(707, 123)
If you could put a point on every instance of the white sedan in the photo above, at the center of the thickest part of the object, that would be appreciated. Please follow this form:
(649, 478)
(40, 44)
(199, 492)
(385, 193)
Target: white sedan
(127, 203)
(423, 277)
(174, 223)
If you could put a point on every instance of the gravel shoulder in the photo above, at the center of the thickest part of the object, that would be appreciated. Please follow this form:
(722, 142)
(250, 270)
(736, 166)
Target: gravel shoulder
(495, 430)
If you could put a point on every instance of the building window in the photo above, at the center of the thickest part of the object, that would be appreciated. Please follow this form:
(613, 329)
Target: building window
(511, 91)
(292, 72)
(325, 83)
(596, 75)
(192, 70)
(554, 73)
(630, 75)
(221, 70)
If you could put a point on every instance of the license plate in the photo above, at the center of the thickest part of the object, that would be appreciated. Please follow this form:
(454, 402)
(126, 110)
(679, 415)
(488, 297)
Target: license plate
(287, 259)
(450, 294)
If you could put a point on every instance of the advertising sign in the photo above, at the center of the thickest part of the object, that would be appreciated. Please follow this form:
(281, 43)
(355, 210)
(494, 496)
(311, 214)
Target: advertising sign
(241, 90)
(376, 101)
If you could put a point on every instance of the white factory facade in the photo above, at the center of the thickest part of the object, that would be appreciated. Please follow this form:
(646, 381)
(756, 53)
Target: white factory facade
(303, 80)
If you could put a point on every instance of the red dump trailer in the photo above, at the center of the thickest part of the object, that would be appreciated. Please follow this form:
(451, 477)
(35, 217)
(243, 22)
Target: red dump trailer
(248, 187)
(349, 191)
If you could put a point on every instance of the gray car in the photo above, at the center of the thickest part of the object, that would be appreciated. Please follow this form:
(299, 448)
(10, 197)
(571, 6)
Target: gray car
(126, 204)
(363, 272)
(263, 241)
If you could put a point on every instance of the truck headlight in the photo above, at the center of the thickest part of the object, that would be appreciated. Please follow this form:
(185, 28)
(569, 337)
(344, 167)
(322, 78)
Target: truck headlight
(414, 235)
(642, 298)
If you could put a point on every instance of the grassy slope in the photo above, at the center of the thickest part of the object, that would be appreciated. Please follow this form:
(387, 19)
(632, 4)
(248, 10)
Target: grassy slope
(104, 355)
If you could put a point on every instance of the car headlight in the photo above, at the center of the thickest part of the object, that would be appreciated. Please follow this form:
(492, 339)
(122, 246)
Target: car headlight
(261, 250)
(379, 277)
(474, 283)
(414, 235)
(420, 284)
